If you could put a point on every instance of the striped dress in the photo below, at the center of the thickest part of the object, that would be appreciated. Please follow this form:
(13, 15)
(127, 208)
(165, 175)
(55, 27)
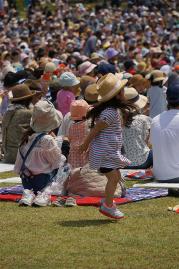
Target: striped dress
(105, 148)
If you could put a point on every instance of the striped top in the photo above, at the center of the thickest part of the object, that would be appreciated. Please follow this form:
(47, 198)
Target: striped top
(105, 148)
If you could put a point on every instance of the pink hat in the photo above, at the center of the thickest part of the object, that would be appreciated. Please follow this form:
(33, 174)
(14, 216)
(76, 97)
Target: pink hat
(78, 109)
(86, 67)
(24, 56)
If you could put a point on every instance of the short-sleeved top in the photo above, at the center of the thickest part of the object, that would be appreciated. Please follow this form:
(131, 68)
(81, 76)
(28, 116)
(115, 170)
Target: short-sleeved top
(134, 139)
(64, 100)
(157, 98)
(105, 148)
(165, 145)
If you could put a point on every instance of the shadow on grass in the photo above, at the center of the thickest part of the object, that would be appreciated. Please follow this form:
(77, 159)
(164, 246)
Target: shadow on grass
(85, 223)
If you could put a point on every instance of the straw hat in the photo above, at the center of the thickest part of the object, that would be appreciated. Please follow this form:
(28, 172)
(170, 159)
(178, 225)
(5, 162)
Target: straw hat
(109, 86)
(157, 75)
(96, 56)
(50, 67)
(138, 80)
(132, 95)
(45, 117)
(86, 81)
(78, 109)
(21, 92)
(91, 93)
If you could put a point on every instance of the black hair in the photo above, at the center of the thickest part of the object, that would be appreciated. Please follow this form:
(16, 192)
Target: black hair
(52, 53)
(172, 105)
(14, 53)
(38, 72)
(157, 83)
(128, 110)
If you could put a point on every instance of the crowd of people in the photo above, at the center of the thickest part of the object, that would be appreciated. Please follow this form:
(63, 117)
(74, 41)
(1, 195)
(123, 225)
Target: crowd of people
(94, 87)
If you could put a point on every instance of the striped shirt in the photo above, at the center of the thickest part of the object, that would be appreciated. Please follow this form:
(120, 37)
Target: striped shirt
(105, 148)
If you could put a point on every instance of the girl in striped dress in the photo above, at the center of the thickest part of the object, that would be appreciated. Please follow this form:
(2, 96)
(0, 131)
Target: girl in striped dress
(105, 139)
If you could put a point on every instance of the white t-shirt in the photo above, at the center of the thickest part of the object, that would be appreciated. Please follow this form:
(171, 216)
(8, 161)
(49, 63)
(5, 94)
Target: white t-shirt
(165, 145)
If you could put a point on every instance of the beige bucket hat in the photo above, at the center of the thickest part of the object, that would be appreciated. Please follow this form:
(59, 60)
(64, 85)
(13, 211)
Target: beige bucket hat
(45, 117)
(132, 95)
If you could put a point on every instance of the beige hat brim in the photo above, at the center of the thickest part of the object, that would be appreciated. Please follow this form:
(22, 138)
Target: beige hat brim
(113, 92)
(141, 103)
(24, 97)
(159, 79)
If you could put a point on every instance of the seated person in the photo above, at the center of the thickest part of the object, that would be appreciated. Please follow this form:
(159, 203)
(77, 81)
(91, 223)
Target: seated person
(136, 135)
(164, 139)
(16, 118)
(39, 156)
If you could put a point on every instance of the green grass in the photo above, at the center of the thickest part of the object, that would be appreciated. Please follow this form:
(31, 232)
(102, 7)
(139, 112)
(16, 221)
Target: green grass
(65, 238)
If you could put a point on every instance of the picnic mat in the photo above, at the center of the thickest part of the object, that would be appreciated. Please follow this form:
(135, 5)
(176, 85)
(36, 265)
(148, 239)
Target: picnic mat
(10, 180)
(137, 174)
(6, 167)
(157, 185)
(133, 195)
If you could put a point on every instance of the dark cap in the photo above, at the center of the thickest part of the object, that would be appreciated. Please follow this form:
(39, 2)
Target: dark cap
(173, 93)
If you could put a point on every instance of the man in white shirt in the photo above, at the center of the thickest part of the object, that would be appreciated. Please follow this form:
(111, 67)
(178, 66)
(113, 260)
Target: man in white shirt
(165, 138)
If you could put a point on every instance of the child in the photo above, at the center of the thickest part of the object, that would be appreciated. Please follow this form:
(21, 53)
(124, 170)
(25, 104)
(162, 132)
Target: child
(70, 84)
(105, 139)
(77, 132)
(39, 155)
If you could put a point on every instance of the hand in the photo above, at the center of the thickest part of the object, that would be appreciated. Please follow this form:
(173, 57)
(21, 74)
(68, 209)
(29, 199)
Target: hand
(83, 148)
(52, 134)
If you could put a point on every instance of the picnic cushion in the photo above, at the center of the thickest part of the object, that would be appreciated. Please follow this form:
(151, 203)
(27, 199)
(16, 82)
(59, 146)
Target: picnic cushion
(87, 182)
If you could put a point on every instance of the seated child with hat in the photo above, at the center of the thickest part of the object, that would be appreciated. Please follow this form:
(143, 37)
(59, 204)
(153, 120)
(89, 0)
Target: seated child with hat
(70, 86)
(39, 155)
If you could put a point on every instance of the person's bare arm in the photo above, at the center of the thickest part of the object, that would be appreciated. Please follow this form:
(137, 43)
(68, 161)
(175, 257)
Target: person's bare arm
(100, 125)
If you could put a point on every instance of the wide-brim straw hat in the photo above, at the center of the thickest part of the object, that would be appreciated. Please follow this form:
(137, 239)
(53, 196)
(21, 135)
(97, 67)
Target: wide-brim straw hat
(21, 92)
(157, 75)
(132, 95)
(109, 86)
(45, 117)
(91, 93)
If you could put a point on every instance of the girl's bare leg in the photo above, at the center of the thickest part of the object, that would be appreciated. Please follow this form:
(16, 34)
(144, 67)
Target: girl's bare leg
(114, 178)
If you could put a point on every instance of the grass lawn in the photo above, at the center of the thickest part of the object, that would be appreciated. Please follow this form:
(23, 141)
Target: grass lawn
(65, 238)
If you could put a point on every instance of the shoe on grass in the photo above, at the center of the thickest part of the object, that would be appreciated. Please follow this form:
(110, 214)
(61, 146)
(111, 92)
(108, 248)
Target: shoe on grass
(42, 199)
(59, 202)
(111, 212)
(70, 202)
(27, 198)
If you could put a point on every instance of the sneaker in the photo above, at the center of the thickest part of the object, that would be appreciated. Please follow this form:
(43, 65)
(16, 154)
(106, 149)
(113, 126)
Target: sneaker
(59, 202)
(111, 212)
(42, 199)
(27, 198)
(70, 202)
